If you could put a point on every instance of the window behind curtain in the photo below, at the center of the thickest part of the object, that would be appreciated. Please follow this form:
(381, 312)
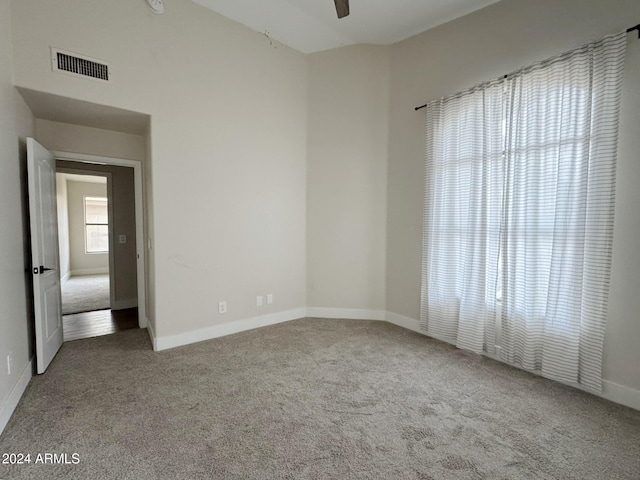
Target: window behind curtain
(96, 225)
(518, 218)
(463, 202)
(562, 126)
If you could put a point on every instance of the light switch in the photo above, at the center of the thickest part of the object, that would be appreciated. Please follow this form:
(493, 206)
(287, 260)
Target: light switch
(122, 238)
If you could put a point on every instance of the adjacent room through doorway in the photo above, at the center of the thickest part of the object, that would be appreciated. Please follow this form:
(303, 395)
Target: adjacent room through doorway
(89, 248)
(83, 238)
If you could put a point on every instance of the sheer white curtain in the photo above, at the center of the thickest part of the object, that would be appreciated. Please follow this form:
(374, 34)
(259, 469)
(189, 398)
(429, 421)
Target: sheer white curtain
(464, 158)
(562, 121)
(518, 214)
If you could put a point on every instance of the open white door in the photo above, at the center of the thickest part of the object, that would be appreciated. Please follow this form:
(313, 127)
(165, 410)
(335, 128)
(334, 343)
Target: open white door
(41, 171)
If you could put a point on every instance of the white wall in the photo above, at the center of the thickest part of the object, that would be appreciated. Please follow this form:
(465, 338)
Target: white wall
(16, 122)
(83, 263)
(63, 226)
(622, 338)
(346, 178)
(228, 134)
(90, 141)
(481, 46)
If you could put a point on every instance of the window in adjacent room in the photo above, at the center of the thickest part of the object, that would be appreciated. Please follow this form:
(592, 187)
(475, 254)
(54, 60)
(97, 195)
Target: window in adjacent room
(96, 225)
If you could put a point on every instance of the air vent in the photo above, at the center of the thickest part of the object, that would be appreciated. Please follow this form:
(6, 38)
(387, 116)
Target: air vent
(79, 65)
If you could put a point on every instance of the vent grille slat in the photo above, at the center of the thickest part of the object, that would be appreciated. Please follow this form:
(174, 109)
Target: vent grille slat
(81, 66)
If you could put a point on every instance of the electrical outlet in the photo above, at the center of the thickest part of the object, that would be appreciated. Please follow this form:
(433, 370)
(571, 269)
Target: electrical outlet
(259, 301)
(222, 307)
(270, 299)
(9, 363)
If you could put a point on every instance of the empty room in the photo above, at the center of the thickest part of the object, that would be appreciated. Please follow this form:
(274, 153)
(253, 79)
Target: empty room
(361, 239)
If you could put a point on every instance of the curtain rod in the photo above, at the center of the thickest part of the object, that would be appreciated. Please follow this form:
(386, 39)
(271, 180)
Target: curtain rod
(629, 30)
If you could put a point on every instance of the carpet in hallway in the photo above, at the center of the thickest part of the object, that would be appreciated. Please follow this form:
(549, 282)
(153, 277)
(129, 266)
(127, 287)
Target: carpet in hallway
(85, 293)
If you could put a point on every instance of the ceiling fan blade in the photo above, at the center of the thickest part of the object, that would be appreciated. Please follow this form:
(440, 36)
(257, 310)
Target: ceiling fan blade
(342, 7)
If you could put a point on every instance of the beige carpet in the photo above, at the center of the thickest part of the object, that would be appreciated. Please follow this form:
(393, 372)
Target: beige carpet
(312, 399)
(85, 293)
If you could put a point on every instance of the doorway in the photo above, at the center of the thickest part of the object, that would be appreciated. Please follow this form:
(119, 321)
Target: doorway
(107, 227)
(45, 255)
(86, 247)
(106, 136)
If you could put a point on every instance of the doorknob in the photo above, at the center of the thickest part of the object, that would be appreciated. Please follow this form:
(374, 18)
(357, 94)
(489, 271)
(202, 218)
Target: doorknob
(44, 269)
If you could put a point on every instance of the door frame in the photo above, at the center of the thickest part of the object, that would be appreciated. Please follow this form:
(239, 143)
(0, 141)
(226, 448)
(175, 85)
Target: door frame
(137, 175)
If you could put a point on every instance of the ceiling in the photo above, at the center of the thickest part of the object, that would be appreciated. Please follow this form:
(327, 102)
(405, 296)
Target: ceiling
(312, 25)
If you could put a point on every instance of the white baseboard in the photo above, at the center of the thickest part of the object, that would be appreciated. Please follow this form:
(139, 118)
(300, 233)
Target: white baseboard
(627, 396)
(65, 278)
(346, 313)
(89, 271)
(152, 336)
(123, 304)
(611, 391)
(223, 329)
(363, 314)
(16, 394)
(621, 394)
(404, 322)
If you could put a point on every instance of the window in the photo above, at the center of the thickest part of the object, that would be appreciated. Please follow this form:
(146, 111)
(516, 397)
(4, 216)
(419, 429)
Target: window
(465, 169)
(518, 218)
(96, 225)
